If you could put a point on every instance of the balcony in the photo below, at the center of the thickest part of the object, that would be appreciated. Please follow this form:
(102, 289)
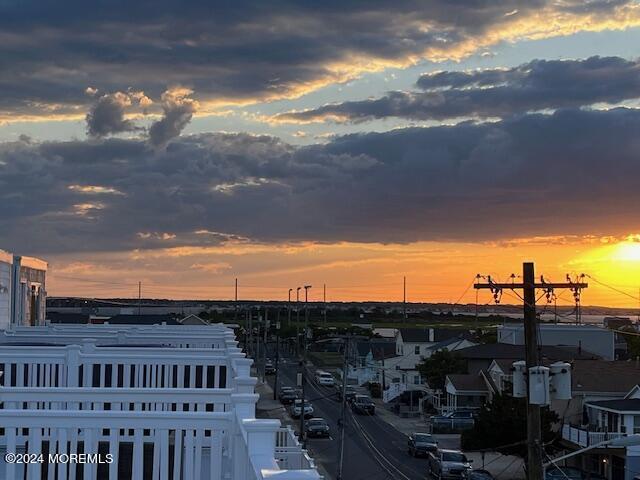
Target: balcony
(587, 438)
(163, 401)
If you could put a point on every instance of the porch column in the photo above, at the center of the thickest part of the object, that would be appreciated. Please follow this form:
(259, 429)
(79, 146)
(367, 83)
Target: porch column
(632, 462)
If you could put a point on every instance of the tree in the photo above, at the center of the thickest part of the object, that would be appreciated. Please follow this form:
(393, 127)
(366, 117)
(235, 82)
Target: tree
(503, 421)
(633, 341)
(442, 363)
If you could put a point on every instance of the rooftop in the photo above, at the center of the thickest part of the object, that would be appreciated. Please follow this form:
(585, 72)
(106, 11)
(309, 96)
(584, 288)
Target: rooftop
(493, 351)
(468, 383)
(619, 405)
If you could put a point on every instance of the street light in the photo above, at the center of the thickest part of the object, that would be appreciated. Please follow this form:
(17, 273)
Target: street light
(298, 322)
(306, 316)
(626, 441)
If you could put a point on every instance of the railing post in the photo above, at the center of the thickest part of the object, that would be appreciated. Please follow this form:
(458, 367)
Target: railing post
(73, 365)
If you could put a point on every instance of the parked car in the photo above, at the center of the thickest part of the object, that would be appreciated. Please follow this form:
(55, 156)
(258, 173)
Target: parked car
(457, 420)
(450, 464)
(350, 394)
(564, 473)
(296, 409)
(421, 444)
(480, 475)
(325, 378)
(317, 427)
(363, 405)
(269, 368)
(288, 395)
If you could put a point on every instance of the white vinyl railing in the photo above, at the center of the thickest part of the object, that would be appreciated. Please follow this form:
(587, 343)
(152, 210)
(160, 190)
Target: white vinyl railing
(587, 438)
(181, 444)
(159, 406)
(88, 365)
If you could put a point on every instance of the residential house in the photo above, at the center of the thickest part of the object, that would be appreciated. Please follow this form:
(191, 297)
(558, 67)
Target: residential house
(489, 372)
(367, 360)
(193, 320)
(606, 420)
(412, 346)
(481, 356)
(465, 392)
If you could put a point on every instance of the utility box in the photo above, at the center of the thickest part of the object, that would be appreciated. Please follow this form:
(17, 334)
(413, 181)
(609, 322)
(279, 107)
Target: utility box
(519, 379)
(539, 386)
(560, 380)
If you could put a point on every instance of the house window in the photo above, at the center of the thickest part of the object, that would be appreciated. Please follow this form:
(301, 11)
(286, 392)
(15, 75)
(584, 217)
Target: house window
(416, 379)
(416, 350)
(636, 424)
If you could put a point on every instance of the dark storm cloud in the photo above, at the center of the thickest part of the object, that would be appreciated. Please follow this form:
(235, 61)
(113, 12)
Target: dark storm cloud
(572, 172)
(537, 85)
(51, 51)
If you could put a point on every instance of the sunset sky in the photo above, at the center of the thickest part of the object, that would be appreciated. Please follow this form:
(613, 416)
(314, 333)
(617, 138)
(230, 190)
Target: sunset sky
(351, 143)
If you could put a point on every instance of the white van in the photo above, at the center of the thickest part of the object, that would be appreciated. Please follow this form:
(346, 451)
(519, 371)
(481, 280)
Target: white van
(324, 378)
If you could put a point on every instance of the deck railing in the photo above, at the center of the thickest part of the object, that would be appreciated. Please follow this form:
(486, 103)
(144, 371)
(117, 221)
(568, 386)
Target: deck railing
(585, 437)
(158, 409)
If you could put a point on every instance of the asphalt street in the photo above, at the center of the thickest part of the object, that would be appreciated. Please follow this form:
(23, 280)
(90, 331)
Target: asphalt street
(374, 450)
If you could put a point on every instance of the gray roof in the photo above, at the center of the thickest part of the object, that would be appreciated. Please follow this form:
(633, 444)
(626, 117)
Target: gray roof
(449, 342)
(414, 335)
(468, 383)
(493, 351)
(143, 319)
(604, 376)
(620, 405)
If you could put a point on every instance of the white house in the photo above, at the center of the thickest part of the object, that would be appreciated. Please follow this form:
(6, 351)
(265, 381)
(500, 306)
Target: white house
(606, 420)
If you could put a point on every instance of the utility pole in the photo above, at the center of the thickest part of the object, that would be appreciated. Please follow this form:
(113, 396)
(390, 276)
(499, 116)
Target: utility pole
(235, 308)
(303, 436)
(298, 321)
(289, 309)
(306, 317)
(343, 411)
(404, 298)
(139, 298)
(275, 380)
(324, 303)
(250, 323)
(532, 358)
(528, 287)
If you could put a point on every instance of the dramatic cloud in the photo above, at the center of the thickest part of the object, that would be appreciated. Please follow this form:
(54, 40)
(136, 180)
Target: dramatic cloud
(178, 110)
(107, 115)
(247, 50)
(537, 85)
(570, 173)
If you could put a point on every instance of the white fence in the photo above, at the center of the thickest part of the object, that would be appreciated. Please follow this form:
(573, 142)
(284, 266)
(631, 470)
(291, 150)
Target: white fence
(154, 407)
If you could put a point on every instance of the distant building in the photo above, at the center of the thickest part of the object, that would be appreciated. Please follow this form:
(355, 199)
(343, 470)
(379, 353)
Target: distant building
(22, 290)
(591, 338)
(6, 269)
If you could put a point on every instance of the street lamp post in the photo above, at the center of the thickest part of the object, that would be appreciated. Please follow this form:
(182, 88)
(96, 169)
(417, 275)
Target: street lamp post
(306, 317)
(298, 321)
(275, 380)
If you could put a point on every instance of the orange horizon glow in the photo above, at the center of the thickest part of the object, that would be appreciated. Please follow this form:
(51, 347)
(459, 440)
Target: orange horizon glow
(437, 272)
